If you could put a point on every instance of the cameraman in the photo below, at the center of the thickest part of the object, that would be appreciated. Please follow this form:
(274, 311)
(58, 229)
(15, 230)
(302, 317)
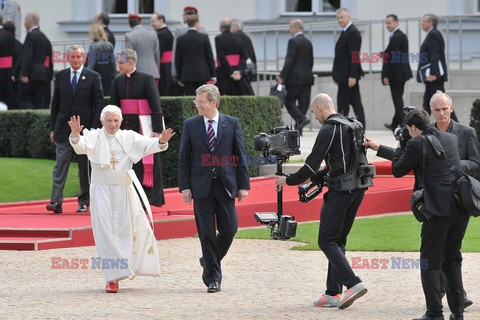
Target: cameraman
(334, 144)
(441, 235)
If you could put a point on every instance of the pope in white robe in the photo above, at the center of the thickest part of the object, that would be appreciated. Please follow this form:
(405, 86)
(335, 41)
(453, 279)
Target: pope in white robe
(120, 227)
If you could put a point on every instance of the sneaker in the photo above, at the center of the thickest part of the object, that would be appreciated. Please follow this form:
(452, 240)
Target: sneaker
(352, 294)
(327, 301)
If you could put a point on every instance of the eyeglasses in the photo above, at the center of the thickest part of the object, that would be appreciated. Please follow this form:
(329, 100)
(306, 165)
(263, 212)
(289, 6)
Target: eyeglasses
(201, 102)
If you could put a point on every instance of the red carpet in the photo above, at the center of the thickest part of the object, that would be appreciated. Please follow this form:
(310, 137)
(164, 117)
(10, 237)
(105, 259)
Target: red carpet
(29, 226)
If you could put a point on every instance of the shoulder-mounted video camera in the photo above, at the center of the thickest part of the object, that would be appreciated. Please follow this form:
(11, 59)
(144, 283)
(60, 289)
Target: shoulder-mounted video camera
(283, 142)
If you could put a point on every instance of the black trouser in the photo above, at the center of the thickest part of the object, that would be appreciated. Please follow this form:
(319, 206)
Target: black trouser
(301, 94)
(217, 208)
(430, 89)
(397, 89)
(189, 88)
(336, 220)
(441, 243)
(347, 96)
(34, 95)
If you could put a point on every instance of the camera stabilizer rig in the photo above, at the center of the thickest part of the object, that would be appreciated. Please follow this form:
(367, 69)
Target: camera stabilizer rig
(282, 144)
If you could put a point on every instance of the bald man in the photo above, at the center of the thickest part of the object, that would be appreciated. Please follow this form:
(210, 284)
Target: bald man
(441, 106)
(335, 144)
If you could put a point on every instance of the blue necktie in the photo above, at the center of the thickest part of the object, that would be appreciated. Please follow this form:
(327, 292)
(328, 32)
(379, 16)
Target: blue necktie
(211, 136)
(74, 81)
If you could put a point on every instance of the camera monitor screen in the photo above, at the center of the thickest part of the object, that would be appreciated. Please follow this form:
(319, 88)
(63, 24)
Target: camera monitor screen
(265, 217)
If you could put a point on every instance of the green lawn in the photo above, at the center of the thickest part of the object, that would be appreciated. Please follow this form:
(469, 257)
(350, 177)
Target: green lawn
(31, 179)
(390, 233)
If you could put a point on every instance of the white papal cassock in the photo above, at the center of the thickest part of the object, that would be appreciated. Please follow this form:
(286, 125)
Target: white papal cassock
(120, 226)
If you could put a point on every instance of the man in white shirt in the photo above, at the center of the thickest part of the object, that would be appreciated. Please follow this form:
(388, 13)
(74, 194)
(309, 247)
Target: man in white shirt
(120, 227)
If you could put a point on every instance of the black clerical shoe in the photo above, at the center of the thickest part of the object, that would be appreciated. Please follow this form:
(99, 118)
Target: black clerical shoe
(55, 207)
(82, 208)
(214, 287)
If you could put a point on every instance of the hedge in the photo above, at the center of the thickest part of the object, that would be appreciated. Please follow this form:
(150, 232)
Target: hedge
(26, 133)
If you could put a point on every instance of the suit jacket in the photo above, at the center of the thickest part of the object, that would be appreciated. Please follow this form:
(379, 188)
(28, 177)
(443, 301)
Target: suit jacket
(86, 102)
(110, 35)
(247, 43)
(145, 43)
(467, 147)
(432, 51)
(195, 175)
(17, 59)
(343, 67)
(298, 66)
(194, 57)
(394, 68)
(180, 30)
(101, 59)
(435, 177)
(37, 57)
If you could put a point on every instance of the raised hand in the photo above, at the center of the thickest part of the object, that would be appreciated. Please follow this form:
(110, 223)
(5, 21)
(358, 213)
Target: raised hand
(75, 126)
(166, 135)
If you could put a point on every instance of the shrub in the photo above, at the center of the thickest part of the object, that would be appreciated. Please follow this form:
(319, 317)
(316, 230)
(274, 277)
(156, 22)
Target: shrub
(26, 133)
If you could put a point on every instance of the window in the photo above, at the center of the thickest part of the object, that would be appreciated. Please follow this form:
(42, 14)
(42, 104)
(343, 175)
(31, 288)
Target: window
(308, 7)
(128, 6)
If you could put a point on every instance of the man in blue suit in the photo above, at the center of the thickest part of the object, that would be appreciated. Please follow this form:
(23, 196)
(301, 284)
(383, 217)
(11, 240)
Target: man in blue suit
(213, 172)
(77, 92)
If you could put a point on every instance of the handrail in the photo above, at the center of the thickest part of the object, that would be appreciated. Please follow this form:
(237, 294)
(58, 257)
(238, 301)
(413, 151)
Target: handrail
(452, 26)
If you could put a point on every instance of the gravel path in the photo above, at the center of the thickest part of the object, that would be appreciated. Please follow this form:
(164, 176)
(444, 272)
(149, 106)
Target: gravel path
(262, 280)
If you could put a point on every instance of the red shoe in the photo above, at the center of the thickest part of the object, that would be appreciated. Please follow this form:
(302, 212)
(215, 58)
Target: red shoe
(112, 287)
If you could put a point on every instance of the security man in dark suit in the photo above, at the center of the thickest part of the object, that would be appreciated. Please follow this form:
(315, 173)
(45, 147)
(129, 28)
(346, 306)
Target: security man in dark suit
(442, 234)
(194, 58)
(433, 65)
(395, 69)
(346, 72)
(297, 74)
(37, 69)
(77, 92)
(334, 143)
(213, 173)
